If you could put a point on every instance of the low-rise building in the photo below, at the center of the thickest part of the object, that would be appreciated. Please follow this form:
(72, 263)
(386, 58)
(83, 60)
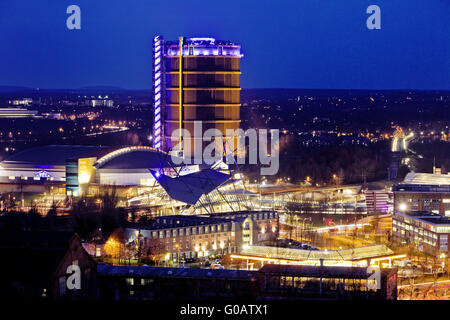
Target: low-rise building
(422, 211)
(99, 281)
(187, 237)
(423, 192)
(427, 230)
(326, 282)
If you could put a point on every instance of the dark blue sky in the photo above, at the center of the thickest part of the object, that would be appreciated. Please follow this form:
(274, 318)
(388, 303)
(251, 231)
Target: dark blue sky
(287, 44)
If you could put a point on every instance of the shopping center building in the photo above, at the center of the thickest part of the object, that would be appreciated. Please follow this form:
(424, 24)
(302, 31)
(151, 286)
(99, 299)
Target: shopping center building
(70, 168)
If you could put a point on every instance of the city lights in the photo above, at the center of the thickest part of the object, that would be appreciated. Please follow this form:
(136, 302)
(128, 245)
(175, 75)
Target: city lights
(164, 166)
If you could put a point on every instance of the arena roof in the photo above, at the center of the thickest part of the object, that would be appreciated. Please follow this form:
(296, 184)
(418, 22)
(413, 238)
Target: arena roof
(135, 158)
(56, 154)
(427, 179)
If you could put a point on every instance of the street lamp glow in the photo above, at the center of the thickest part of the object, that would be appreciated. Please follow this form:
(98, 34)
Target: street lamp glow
(402, 206)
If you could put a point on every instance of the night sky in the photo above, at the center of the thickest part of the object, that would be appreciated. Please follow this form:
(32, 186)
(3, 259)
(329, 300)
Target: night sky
(286, 44)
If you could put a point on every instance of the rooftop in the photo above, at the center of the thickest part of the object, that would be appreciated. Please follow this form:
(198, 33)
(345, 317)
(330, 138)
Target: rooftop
(172, 221)
(56, 154)
(434, 188)
(317, 272)
(427, 179)
(138, 159)
(176, 221)
(161, 272)
(427, 216)
(204, 46)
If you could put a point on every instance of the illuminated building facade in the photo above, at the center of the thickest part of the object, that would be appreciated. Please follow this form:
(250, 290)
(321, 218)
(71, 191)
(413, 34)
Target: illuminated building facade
(377, 201)
(428, 231)
(79, 168)
(189, 237)
(422, 211)
(325, 282)
(17, 113)
(414, 197)
(194, 79)
(273, 281)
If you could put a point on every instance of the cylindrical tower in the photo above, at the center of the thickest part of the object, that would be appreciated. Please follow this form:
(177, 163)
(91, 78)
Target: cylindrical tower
(201, 83)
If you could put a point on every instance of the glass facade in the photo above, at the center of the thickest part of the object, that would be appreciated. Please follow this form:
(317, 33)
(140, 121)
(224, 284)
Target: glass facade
(72, 184)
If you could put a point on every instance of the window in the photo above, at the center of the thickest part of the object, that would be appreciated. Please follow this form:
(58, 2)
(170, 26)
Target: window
(146, 281)
(443, 241)
(62, 286)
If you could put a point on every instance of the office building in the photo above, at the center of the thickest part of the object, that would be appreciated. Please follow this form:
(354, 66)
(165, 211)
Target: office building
(428, 231)
(194, 79)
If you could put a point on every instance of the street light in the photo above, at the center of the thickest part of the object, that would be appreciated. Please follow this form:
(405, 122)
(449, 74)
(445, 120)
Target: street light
(443, 256)
(222, 245)
(178, 254)
(402, 206)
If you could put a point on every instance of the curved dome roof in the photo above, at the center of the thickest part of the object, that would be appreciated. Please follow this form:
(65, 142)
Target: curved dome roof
(135, 158)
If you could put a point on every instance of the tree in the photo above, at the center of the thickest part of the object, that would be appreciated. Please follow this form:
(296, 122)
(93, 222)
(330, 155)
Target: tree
(116, 246)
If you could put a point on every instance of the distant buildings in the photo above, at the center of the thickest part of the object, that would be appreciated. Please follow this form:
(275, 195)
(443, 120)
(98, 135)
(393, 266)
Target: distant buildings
(17, 113)
(100, 102)
(194, 79)
(21, 102)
